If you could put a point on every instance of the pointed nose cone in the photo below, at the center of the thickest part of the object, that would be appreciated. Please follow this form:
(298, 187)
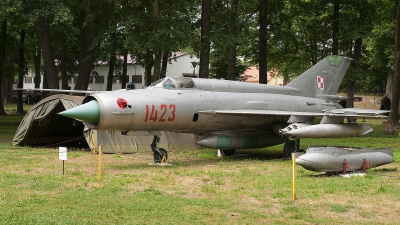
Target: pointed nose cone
(301, 162)
(88, 112)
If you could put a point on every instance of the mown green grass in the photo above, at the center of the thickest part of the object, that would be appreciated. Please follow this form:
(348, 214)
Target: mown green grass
(252, 187)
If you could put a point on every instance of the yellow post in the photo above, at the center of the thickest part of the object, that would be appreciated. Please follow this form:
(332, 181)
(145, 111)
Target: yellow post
(294, 176)
(100, 170)
(93, 143)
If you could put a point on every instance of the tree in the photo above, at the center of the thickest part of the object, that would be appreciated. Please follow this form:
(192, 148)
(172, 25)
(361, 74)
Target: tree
(21, 71)
(335, 28)
(379, 46)
(232, 47)
(394, 114)
(124, 69)
(48, 55)
(86, 36)
(263, 43)
(3, 37)
(205, 38)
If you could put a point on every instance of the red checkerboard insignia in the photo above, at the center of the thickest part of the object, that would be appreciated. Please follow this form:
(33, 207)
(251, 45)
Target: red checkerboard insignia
(320, 82)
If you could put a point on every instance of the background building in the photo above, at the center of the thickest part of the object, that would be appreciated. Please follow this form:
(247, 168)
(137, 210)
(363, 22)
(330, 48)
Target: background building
(180, 64)
(251, 74)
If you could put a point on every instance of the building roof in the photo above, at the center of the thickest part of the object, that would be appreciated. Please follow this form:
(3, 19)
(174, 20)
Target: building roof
(251, 74)
(131, 60)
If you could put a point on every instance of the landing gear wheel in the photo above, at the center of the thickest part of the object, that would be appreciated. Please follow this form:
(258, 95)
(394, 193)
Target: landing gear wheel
(225, 152)
(164, 154)
(288, 148)
(160, 156)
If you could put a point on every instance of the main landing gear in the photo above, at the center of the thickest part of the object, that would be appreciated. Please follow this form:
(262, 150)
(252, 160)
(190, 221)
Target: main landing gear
(160, 155)
(225, 152)
(290, 147)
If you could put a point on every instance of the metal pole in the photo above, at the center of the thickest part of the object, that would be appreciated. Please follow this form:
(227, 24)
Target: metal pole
(294, 176)
(100, 170)
(63, 167)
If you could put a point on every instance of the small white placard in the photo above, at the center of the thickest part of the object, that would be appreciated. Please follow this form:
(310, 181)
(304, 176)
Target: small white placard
(62, 153)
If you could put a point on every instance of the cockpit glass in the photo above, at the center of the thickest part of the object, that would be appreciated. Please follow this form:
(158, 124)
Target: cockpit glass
(174, 83)
(157, 82)
(168, 84)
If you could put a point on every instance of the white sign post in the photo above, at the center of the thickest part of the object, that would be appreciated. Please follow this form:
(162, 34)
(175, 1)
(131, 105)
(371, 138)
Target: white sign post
(62, 152)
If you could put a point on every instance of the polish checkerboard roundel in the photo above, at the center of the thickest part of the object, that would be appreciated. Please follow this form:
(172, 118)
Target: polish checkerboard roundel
(320, 82)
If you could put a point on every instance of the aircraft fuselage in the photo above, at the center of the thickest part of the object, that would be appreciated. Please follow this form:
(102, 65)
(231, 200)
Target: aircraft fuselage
(180, 110)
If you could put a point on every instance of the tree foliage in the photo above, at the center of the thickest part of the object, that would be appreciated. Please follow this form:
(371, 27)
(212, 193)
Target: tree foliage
(75, 35)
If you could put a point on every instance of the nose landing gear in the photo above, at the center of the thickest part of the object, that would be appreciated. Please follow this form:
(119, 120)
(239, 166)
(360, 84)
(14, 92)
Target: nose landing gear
(160, 155)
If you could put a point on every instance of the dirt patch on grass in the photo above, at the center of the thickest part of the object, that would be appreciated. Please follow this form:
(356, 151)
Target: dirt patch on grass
(366, 101)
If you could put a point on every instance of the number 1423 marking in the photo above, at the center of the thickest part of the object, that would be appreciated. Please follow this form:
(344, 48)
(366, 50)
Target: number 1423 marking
(163, 109)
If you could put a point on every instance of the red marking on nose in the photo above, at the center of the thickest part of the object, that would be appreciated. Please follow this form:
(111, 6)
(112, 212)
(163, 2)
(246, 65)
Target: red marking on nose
(122, 103)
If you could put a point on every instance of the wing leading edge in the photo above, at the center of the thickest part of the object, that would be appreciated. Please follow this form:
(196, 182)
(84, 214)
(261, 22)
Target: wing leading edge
(345, 112)
(300, 123)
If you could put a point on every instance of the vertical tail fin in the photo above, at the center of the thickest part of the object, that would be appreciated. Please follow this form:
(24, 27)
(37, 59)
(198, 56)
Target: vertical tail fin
(322, 79)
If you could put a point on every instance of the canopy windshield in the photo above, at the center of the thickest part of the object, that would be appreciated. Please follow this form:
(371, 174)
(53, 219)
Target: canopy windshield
(173, 83)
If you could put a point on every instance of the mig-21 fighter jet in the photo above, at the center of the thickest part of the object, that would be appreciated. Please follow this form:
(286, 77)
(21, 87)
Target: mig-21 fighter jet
(230, 115)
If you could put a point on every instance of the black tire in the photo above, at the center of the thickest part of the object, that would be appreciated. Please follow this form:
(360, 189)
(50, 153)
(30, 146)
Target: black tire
(164, 154)
(288, 148)
(228, 152)
(158, 158)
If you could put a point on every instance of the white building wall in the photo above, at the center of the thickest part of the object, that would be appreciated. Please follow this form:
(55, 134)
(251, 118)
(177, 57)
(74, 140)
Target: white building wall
(178, 67)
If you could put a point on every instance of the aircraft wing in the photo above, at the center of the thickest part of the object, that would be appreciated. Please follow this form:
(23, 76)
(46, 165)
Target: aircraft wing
(360, 112)
(56, 90)
(345, 112)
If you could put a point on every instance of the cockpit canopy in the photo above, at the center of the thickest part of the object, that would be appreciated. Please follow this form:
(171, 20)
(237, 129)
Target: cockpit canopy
(173, 83)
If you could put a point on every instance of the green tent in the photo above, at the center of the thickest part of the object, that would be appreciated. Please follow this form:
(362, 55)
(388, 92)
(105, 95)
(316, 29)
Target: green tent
(43, 126)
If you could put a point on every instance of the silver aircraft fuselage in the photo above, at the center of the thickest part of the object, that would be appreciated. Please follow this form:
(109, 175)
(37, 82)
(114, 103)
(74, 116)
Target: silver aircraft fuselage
(192, 111)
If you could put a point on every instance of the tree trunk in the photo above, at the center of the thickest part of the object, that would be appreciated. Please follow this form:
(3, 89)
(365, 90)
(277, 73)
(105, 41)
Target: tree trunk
(36, 61)
(335, 26)
(8, 88)
(157, 50)
(157, 64)
(45, 85)
(205, 35)
(232, 47)
(86, 30)
(111, 66)
(164, 64)
(355, 66)
(148, 64)
(8, 78)
(3, 41)
(64, 66)
(394, 107)
(48, 57)
(111, 63)
(21, 72)
(124, 69)
(389, 84)
(262, 54)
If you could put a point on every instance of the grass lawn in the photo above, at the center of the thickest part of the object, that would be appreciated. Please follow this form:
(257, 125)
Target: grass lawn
(251, 187)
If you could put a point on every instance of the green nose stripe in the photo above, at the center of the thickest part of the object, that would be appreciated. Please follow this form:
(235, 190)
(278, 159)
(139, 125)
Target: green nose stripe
(88, 112)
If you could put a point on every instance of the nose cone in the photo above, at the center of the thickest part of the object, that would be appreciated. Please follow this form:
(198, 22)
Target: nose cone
(308, 161)
(88, 112)
(301, 162)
